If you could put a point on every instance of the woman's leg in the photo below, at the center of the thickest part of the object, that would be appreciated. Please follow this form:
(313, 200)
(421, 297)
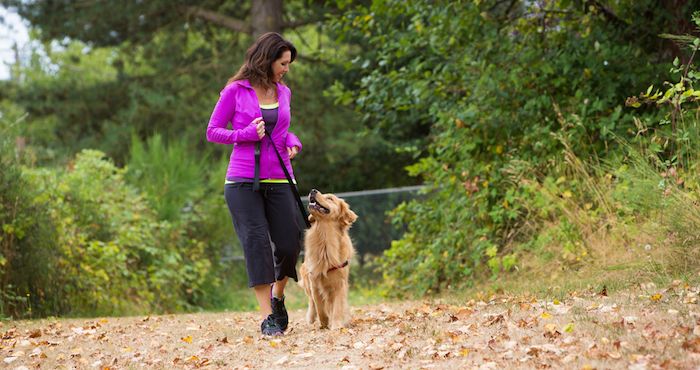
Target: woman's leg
(262, 294)
(278, 288)
(285, 231)
(248, 214)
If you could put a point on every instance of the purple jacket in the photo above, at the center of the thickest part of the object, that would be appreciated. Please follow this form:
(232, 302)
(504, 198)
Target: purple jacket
(239, 105)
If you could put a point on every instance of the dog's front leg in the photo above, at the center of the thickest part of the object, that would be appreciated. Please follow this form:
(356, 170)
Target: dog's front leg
(339, 313)
(321, 308)
(311, 311)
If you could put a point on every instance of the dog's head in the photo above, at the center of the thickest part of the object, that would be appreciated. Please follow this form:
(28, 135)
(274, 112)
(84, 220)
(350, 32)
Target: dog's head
(330, 207)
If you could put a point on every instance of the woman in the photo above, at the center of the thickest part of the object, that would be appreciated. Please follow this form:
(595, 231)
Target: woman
(262, 206)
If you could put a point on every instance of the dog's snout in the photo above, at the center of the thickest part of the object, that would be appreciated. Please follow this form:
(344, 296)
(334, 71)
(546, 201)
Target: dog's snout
(313, 192)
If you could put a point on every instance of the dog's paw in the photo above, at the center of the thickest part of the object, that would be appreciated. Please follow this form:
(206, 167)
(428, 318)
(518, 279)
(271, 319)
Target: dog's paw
(311, 319)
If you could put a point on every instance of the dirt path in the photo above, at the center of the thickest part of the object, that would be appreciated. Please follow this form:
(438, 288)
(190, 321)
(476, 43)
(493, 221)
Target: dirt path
(645, 328)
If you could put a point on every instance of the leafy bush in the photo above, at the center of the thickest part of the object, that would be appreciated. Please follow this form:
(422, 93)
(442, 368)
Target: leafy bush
(27, 240)
(486, 94)
(110, 254)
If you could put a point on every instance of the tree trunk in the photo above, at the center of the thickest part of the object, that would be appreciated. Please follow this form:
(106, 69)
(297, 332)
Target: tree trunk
(266, 16)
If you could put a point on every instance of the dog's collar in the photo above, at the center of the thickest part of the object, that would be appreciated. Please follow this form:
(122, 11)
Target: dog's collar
(339, 267)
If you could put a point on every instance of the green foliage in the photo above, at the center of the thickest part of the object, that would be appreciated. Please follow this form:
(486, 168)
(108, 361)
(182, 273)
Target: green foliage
(93, 246)
(66, 98)
(487, 94)
(670, 138)
(26, 237)
(170, 175)
(119, 21)
(168, 81)
(142, 94)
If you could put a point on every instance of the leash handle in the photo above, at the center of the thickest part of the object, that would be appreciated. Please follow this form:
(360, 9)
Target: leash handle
(292, 185)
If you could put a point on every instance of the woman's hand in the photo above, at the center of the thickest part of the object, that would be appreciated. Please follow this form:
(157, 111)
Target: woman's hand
(259, 127)
(292, 151)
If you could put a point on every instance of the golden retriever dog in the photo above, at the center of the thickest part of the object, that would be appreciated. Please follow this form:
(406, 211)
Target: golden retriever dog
(327, 252)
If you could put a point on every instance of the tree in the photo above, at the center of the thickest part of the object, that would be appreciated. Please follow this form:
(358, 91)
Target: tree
(157, 66)
(138, 20)
(487, 92)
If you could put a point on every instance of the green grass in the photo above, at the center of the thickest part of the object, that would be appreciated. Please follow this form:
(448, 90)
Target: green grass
(236, 296)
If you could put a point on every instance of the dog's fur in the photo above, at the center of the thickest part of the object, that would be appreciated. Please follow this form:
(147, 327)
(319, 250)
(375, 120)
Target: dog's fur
(327, 246)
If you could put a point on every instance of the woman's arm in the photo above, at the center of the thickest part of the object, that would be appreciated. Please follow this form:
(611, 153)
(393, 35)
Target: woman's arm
(293, 141)
(223, 114)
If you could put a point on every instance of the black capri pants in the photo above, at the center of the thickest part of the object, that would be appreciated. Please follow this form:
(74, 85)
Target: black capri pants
(268, 227)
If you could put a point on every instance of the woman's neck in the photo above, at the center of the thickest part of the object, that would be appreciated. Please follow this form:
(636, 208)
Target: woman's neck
(266, 95)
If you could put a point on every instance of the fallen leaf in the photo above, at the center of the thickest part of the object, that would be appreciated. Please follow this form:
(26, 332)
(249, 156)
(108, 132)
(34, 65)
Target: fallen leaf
(187, 339)
(545, 315)
(204, 362)
(493, 319)
(533, 351)
(551, 331)
(656, 297)
(692, 345)
(464, 313)
(35, 333)
(455, 336)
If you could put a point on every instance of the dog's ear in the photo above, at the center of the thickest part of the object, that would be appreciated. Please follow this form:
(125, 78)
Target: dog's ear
(347, 216)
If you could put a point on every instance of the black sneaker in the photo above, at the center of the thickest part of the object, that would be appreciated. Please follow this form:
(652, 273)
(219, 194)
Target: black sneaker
(270, 327)
(279, 312)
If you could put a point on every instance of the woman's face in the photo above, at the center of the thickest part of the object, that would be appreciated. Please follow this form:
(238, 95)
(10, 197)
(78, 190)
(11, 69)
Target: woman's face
(281, 66)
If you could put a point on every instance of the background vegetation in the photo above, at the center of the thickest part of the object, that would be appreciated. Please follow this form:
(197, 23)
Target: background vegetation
(531, 123)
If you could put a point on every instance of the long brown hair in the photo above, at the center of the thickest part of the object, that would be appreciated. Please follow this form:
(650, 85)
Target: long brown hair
(257, 67)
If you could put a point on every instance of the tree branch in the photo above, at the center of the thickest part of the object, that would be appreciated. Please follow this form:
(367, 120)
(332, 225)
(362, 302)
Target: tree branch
(607, 13)
(300, 22)
(219, 19)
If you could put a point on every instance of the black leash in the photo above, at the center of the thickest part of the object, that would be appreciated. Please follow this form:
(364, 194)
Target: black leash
(256, 178)
(289, 179)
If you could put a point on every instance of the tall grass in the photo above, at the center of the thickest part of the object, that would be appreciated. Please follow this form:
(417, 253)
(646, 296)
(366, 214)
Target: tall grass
(168, 173)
